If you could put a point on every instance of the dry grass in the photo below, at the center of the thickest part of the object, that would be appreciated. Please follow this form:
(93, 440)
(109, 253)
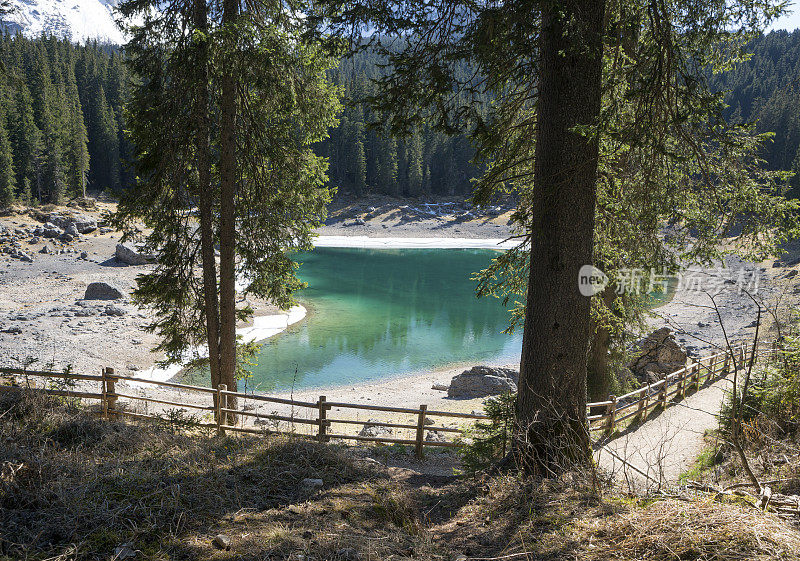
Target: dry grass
(75, 487)
(697, 529)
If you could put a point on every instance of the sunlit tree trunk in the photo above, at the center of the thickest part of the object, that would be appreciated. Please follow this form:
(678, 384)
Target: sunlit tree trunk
(205, 196)
(551, 408)
(227, 211)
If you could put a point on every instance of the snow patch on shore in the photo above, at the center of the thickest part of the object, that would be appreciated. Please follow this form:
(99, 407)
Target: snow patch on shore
(368, 242)
(263, 328)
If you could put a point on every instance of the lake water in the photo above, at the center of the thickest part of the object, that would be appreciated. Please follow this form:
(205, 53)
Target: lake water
(378, 313)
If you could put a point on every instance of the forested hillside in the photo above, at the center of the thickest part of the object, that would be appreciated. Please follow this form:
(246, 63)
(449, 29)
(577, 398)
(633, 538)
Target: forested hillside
(766, 89)
(365, 160)
(61, 123)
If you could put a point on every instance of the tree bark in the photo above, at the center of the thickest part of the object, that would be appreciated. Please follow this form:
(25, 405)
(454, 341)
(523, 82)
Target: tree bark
(551, 435)
(205, 199)
(598, 374)
(227, 218)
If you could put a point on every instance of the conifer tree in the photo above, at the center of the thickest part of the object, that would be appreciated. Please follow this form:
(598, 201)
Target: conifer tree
(26, 143)
(7, 178)
(570, 78)
(268, 104)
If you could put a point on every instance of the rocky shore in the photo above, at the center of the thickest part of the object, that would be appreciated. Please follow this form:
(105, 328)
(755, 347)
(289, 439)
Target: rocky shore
(48, 261)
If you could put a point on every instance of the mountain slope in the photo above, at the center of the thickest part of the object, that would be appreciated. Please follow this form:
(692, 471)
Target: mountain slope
(76, 20)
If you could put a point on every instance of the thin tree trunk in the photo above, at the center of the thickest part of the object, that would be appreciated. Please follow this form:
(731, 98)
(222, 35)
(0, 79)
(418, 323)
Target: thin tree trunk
(551, 408)
(598, 374)
(227, 218)
(205, 197)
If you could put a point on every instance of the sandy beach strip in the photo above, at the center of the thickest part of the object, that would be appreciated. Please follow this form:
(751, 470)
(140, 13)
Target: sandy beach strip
(369, 242)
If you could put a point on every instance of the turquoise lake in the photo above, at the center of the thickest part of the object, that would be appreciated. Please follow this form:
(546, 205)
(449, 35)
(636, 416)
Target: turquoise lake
(374, 314)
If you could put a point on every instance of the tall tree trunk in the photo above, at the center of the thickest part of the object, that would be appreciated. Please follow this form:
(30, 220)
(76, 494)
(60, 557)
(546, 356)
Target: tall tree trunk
(551, 408)
(205, 196)
(227, 215)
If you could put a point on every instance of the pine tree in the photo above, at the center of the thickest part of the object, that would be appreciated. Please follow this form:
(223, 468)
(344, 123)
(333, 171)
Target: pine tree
(77, 151)
(8, 180)
(415, 164)
(26, 143)
(269, 103)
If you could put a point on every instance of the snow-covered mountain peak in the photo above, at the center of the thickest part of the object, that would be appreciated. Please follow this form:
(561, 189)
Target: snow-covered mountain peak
(77, 20)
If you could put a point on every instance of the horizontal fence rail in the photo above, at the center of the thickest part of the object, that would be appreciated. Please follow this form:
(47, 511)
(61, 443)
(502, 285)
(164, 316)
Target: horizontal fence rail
(606, 416)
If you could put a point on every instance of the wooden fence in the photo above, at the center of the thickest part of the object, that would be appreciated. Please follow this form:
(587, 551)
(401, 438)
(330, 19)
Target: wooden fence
(604, 416)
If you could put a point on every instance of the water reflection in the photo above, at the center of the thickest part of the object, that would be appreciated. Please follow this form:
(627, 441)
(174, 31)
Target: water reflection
(378, 313)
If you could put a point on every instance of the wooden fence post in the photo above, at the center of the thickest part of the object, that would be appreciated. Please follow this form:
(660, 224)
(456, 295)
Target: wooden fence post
(611, 413)
(220, 413)
(421, 430)
(681, 393)
(104, 402)
(664, 388)
(323, 419)
(110, 393)
(644, 402)
(726, 365)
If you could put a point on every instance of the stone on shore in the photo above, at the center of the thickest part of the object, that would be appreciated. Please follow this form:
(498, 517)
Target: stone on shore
(374, 430)
(102, 291)
(80, 222)
(130, 254)
(483, 381)
(657, 355)
(51, 231)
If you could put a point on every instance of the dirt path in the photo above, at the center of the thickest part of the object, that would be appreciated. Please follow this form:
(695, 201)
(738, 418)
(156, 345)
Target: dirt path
(665, 446)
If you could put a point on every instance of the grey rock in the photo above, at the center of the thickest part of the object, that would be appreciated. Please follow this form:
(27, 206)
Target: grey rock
(83, 224)
(657, 355)
(45, 249)
(440, 386)
(25, 257)
(51, 231)
(483, 381)
(13, 330)
(67, 237)
(84, 255)
(34, 240)
(221, 541)
(71, 229)
(130, 254)
(102, 291)
(373, 430)
(311, 482)
(114, 310)
(434, 436)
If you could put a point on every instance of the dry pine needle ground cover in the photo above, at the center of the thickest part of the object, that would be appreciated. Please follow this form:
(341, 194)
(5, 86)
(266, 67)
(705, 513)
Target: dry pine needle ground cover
(73, 486)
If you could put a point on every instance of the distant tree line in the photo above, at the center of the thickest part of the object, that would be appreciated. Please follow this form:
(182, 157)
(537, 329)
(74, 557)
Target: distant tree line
(766, 90)
(366, 159)
(61, 123)
(61, 119)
